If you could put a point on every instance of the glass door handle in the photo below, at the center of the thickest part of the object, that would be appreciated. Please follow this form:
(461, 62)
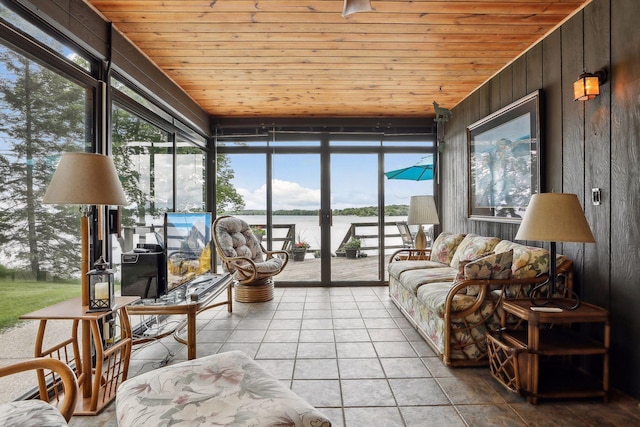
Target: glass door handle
(328, 217)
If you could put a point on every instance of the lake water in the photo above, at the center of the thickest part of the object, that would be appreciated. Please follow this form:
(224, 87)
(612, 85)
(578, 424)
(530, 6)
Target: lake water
(307, 229)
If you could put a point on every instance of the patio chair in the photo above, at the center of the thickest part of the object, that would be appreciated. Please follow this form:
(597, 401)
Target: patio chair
(39, 412)
(242, 255)
(405, 233)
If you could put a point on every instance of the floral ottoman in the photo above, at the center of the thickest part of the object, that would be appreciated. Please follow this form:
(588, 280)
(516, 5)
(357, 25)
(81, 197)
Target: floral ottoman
(222, 389)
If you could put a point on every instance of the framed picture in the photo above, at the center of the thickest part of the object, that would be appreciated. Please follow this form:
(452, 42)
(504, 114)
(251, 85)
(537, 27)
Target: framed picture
(505, 161)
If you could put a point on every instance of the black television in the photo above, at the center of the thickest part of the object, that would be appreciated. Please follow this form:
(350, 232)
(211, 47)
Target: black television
(187, 244)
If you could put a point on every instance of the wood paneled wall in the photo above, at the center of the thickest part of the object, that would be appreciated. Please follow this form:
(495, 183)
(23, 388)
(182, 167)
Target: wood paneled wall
(594, 144)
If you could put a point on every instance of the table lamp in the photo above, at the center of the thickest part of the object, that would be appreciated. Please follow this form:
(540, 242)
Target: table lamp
(554, 217)
(422, 210)
(85, 179)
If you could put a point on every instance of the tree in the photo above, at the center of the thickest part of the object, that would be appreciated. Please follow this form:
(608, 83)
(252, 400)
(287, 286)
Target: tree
(227, 198)
(42, 115)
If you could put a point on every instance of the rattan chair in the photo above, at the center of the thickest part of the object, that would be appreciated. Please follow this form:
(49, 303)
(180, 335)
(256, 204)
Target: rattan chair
(54, 378)
(242, 255)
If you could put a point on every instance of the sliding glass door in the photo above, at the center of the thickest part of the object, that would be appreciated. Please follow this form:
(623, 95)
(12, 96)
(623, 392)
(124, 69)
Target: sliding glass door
(295, 198)
(355, 236)
(323, 198)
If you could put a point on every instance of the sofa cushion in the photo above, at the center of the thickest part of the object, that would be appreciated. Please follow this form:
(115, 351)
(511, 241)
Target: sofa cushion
(445, 246)
(473, 246)
(495, 266)
(463, 264)
(413, 279)
(30, 413)
(236, 239)
(271, 265)
(224, 389)
(528, 261)
(434, 297)
(396, 268)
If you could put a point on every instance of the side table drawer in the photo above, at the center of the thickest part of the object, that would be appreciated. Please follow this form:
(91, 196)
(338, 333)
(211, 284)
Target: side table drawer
(508, 363)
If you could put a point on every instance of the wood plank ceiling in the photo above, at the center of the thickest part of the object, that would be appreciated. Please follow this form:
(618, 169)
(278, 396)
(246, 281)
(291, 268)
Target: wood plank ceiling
(302, 58)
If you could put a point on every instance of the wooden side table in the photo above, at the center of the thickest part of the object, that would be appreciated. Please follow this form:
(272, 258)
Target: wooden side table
(100, 382)
(546, 336)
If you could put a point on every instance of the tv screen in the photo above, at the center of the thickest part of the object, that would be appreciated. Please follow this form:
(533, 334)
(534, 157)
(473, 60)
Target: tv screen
(187, 241)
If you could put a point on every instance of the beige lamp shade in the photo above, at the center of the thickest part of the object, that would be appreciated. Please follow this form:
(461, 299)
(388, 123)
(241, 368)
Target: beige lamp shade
(422, 210)
(555, 217)
(85, 179)
(353, 6)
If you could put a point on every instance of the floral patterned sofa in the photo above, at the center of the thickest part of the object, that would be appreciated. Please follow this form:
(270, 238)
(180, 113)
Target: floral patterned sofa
(451, 293)
(218, 390)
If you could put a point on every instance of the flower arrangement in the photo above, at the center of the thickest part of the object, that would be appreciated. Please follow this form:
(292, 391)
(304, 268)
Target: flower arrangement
(258, 230)
(302, 245)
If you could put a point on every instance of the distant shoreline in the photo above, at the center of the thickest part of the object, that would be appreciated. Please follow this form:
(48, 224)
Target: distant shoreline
(369, 211)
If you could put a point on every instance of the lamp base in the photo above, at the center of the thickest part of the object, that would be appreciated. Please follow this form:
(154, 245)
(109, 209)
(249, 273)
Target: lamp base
(568, 299)
(84, 258)
(420, 241)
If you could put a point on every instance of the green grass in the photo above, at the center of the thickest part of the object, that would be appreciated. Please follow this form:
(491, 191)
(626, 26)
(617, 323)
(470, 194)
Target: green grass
(18, 298)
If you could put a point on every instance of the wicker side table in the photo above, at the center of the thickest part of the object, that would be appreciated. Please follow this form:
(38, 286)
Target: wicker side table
(546, 370)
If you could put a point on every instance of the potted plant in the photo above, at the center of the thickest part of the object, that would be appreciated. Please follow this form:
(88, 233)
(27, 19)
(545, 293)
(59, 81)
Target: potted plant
(258, 231)
(300, 250)
(352, 247)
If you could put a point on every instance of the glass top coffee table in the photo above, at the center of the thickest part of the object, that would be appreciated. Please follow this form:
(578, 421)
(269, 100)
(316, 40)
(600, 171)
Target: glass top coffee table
(190, 301)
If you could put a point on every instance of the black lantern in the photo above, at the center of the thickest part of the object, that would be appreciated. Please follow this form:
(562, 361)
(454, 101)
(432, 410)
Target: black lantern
(100, 286)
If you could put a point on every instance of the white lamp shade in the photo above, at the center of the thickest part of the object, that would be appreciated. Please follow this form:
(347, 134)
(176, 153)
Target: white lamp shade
(353, 6)
(422, 210)
(85, 179)
(555, 217)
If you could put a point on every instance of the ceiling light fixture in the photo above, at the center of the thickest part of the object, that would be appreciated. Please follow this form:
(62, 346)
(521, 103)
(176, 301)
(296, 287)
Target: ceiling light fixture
(354, 6)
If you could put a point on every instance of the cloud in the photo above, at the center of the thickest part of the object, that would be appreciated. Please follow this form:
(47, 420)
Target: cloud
(286, 195)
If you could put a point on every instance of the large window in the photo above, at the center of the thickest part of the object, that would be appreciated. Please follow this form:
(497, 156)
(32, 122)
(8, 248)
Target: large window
(42, 115)
(161, 171)
(191, 163)
(143, 154)
(48, 106)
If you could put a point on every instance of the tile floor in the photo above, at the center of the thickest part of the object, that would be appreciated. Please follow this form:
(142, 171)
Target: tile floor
(351, 353)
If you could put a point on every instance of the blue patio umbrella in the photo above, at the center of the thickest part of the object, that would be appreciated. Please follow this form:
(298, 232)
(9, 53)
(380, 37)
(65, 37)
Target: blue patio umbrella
(421, 171)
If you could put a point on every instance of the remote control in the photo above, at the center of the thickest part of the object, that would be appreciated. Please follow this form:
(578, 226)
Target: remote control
(547, 309)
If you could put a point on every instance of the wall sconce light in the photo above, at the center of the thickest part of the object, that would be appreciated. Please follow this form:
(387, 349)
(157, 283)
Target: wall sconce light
(588, 85)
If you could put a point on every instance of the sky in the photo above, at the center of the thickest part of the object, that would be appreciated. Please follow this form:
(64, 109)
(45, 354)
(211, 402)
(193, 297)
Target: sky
(296, 183)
